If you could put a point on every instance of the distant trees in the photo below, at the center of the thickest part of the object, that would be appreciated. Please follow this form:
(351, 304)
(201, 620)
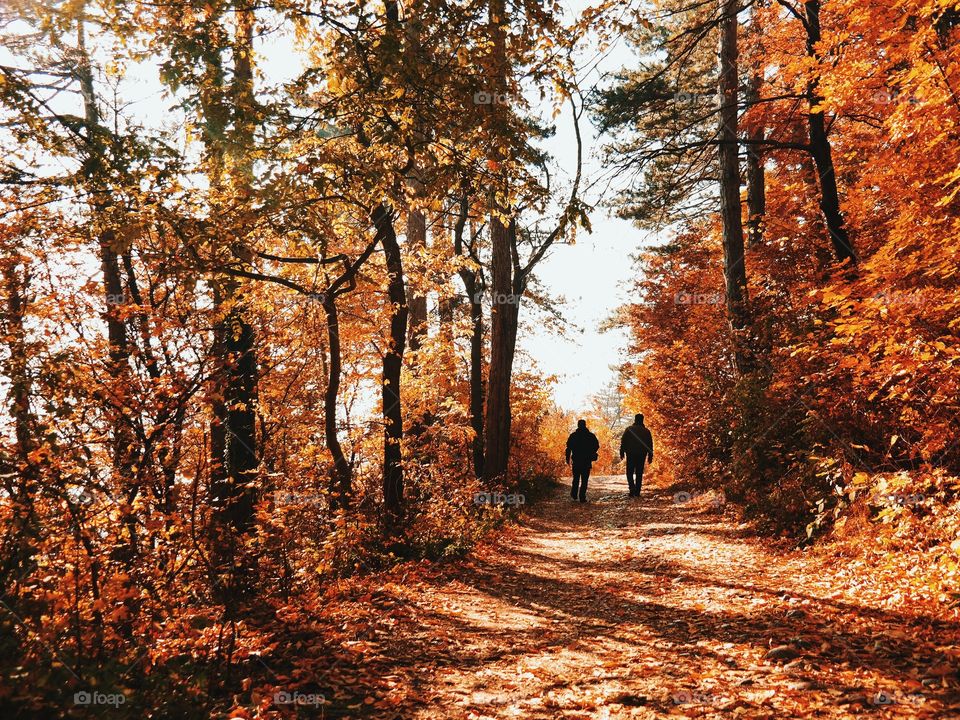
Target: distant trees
(824, 219)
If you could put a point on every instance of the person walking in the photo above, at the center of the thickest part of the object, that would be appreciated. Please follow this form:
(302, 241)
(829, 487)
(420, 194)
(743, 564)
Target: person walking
(637, 446)
(582, 447)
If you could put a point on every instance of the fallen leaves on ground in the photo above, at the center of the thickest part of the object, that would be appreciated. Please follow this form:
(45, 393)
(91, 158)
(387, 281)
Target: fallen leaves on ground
(625, 608)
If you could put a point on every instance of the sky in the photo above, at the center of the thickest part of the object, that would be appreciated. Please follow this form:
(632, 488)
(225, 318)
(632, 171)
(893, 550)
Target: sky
(595, 275)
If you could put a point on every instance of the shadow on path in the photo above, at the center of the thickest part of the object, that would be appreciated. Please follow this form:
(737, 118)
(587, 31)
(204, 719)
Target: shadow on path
(632, 606)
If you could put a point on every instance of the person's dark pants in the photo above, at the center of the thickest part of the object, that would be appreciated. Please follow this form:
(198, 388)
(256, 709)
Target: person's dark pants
(635, 469)
(581, 473)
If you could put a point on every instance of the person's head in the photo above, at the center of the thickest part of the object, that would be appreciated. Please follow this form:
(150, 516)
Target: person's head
(581, 424)
(638, 418)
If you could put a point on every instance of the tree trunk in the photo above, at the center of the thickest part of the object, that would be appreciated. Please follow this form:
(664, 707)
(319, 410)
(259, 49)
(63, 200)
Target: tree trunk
(417, 242)
(242, 375)
(756, 195)
(471, 285)
(241, 401)
(502, 313)
(21, 532)
(392, 367)
(214, 126)
(416, 218)
(821, 150)
(341, 480)
(505, 311)
(476, 379)
(446, 306)
(219, 489)
(734, 269)
(234, 449)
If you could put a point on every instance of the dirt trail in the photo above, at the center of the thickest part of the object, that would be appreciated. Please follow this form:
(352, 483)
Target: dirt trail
(648, 607)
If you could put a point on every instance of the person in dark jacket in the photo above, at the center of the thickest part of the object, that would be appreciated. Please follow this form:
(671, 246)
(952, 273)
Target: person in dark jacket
(582, 447)
(637, 445)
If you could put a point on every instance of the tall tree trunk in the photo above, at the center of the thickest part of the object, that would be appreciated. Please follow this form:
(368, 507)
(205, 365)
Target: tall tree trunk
(473, 289)
(417, 242)
(502, 313)
(242, 454)
(214, 125)
(476, 379)
(821, 150)
(219, 483)
(734, 269)
(124, 446)
(756, 195)
(21, 532)
(235, 449)
(446, 306)
(391, 397)
(341, 480)
(241, 401)
(416, 218)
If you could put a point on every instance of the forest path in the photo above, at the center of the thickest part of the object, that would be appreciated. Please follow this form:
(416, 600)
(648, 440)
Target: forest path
(650, 607)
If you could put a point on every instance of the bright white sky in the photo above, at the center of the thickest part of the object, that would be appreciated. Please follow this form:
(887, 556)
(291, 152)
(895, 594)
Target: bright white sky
(595, 275)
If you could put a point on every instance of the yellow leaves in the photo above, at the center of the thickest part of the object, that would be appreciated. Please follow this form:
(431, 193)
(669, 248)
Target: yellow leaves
(832, 295)
(861, 479)
(336, 84)
(114, 69)
(948, 179)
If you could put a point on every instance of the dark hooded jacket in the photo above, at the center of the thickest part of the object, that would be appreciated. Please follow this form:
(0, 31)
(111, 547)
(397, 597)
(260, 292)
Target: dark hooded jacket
(637, 441)
(582, 446)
